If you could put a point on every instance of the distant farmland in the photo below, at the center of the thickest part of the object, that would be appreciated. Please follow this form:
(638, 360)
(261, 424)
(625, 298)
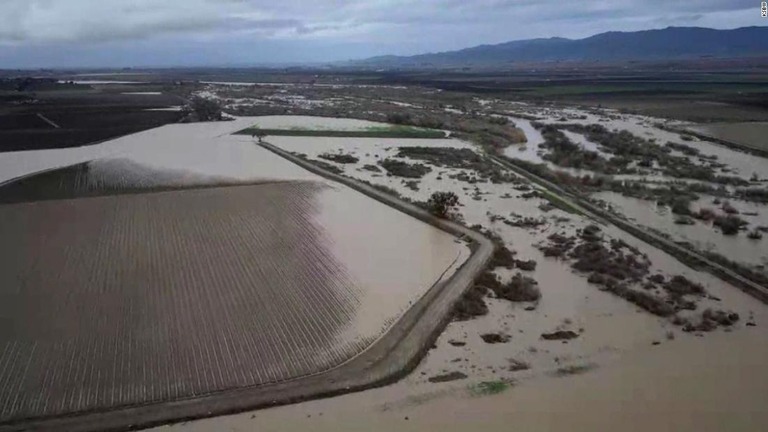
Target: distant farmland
(115, 301)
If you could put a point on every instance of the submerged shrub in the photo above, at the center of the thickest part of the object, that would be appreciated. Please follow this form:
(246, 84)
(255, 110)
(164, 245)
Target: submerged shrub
(471, 304)
(339, 158)
(519, 289)
(729, 225)
(403, 169)
(440, 203)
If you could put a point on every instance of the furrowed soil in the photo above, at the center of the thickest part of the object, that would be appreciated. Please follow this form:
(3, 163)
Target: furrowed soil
(193, 263)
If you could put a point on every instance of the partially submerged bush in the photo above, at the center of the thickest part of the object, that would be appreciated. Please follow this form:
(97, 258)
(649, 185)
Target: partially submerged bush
(494, 338)
(202, 109)
(528, 265)
(339, 158)
(471, 304)
(481, 167)
(403, 169)
(560, 335)
(728, 208)
(519, 289)
(729, 225)
(705, 214)
(440, 203)
(681, 206)
(644, 300)
(680, 286)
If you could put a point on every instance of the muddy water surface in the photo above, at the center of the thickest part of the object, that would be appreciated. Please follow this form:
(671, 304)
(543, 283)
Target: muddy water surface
(702, 234)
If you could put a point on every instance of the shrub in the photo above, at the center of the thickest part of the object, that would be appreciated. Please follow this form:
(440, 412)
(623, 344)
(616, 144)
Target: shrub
(203, 109)
(471, 304)
(519, 289)
(440, 203)
(403, 169)
(680, 285)
(494, 338)
(399, 118)
(729, 225)
(339, 158)
(705, 214)
(681, 206)
(529, 265)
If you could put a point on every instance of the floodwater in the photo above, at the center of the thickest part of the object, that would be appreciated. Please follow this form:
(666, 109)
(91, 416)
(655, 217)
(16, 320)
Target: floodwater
(103, 177)
(682, 384)
(751, 134)
(532, 152)
(314, 123)
(529, 150)
(742, 164)
(610, 324)
(701, 384)
(701, 234)
(365, 263)
(201, 148)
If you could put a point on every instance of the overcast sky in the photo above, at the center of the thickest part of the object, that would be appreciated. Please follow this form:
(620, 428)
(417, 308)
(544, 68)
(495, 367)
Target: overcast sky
(118, 33)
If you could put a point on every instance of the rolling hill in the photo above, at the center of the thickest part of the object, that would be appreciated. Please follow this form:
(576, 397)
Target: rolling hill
(663, 44)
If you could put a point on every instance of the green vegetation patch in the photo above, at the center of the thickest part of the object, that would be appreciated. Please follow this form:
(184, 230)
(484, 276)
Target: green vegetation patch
(487, 388)
(371, 132)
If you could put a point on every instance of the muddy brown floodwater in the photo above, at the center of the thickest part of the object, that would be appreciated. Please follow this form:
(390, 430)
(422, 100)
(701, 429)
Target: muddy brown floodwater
(702, 384)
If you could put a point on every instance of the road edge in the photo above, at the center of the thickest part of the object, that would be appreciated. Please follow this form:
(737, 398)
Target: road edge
(389, 359)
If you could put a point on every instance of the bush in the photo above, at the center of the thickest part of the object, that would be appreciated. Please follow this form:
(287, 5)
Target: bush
(471, 304)
(339, 158)
(403, 169)
(681, 206)
(680, 285)
(400, 118)
(729, 225)
(705, 214)
(519, 289)
(202, 110)
(440, 203)
(529, 265)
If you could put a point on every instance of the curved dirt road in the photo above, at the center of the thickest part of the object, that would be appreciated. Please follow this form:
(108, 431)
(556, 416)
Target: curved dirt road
(388, 359)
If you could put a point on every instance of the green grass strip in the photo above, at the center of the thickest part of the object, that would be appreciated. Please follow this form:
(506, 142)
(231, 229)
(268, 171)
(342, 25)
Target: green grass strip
(383, 133)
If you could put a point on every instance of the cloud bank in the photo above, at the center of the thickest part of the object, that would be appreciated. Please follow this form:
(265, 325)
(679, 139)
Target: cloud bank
(140, 32)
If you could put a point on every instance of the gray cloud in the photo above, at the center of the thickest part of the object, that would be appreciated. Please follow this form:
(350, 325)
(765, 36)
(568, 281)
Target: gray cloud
(301, 29)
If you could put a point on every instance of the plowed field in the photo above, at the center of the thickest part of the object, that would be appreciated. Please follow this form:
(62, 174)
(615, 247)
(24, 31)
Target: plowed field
(131, 299)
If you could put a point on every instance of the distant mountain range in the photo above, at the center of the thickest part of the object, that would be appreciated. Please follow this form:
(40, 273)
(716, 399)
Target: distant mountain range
(665, 44)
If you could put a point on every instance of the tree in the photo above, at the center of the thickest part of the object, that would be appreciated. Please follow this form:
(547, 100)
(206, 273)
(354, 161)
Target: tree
(440, 203)
(203, 109)
(258, 133)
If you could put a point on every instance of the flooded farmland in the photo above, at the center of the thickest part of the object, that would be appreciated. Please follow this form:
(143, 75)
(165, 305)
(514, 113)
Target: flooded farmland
(604, 327)
(577, 321)
(170, 285)
(752, 134)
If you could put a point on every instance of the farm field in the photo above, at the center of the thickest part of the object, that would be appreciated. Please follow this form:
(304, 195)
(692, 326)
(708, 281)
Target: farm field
(600, 329)
(750, 134)
(569, 293)
(59, 115)
(196, 262)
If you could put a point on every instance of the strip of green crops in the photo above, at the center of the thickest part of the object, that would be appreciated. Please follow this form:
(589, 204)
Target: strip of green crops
(383, 133)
